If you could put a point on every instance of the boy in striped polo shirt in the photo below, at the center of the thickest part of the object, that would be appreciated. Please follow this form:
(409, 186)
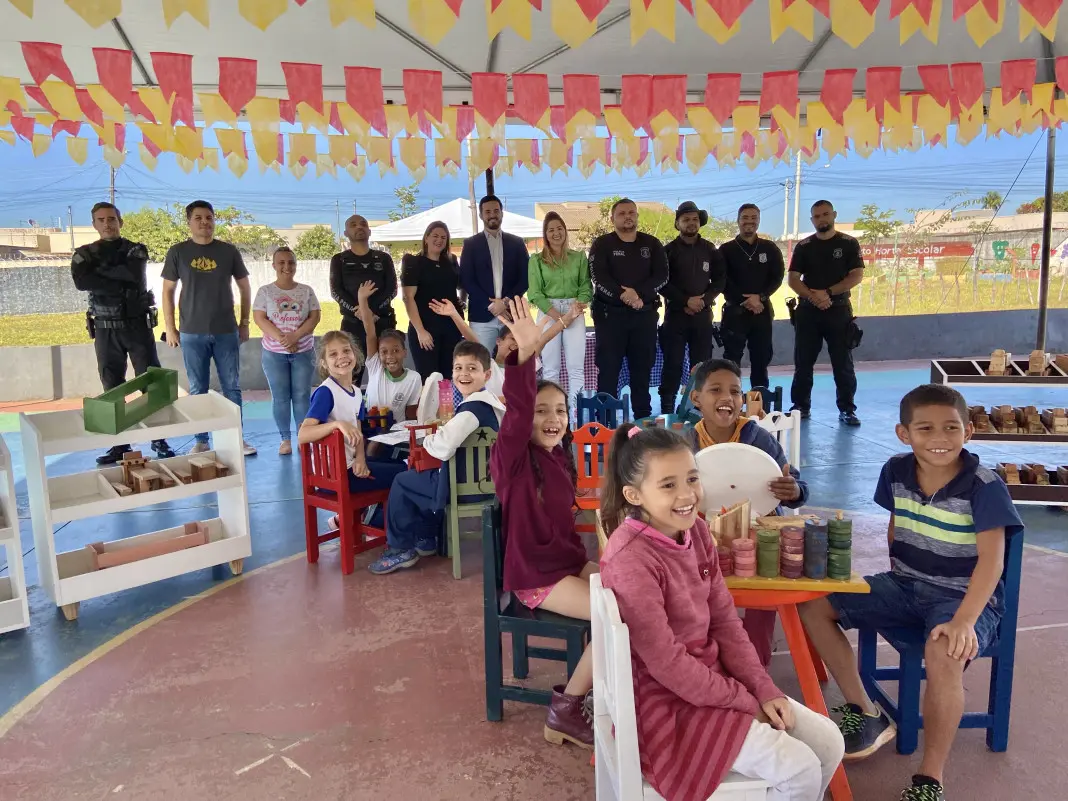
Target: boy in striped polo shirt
(949, 519)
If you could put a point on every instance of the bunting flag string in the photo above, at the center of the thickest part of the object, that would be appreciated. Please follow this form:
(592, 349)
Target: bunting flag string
(575, 21)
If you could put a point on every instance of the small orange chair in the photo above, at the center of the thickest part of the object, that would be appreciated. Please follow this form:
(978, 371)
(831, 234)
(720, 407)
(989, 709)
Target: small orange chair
(591, 466)
(325, 483)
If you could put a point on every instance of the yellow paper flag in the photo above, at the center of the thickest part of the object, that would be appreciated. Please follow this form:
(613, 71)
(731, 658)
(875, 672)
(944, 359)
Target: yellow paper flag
(696, 152)
(197, 9)
(112, 109)
(266, 146)
(447, 155)
(1029, 23)
(299, 170)
(1001, 116)
(311, 119)
(652, 15)
(238, 164)
(981, 26)
(702, 121)
(209, 160)
(931, 118)
(911, 22)
(357, 170)
(153, 99)
(216, 109)
(556, 156)
(61, 96)
(7, 136)
(413, 153)
(798, 16)
(514, 14)
(301, 146)
(77, 149)
(11, 89)
(261, 13)
(354, 124)
(570, 23)
(96, 12)
(40, 144)
(162, 136)
(262, 113)
(185, 164)
(380, 152)
(188, 142)
(324, 165)
(431, 19)
(709, 22)
(851, 21)
(363, 11)
(342, 149)
(399, 121)
(970, 123)
(147, 158)
(116, 158)
(26, 7)
(746, 119)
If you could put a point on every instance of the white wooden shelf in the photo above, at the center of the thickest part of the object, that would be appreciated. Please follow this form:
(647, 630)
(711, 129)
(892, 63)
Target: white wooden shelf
(71, 577)
(14, 608)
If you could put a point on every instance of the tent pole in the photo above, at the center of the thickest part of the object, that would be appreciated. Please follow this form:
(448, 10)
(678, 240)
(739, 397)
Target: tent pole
(489, 182)
(1047, 237)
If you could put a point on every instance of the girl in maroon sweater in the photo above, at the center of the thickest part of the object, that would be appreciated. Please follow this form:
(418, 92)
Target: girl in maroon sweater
(533, 469)
(705, 704)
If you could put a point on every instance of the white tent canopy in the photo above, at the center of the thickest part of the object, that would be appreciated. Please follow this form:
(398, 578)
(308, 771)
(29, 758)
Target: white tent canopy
(457, 215)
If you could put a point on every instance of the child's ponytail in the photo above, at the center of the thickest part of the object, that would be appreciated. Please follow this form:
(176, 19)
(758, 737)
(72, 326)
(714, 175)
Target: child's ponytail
(628, 452)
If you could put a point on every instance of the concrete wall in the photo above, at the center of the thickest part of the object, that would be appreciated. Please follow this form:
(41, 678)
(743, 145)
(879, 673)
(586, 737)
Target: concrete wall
(69, 371)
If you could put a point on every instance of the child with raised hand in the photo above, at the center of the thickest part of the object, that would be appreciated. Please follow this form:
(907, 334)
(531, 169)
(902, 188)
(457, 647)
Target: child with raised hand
(949, 519)
(417, 500)
(335, 406)
(705, 704)
(533, 468)
(390, 385)
(717, 396)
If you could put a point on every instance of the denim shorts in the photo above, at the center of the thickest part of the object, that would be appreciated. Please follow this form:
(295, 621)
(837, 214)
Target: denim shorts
(899, 602)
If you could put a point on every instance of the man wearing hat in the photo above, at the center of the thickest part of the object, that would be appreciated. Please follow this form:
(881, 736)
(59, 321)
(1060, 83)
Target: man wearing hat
(696, 275)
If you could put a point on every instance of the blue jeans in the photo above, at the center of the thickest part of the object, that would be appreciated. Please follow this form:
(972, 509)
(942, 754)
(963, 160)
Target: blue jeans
(289, 376)
(197, 352)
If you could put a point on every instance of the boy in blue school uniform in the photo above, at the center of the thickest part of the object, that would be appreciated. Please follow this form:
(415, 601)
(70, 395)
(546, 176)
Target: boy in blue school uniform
(414, 514)
(949, 520)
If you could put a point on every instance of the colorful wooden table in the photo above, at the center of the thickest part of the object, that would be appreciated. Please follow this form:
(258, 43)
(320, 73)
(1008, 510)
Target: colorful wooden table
(782, 595)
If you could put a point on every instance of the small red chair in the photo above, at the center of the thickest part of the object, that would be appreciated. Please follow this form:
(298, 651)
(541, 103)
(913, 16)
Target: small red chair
(591, 465)
(325, 482)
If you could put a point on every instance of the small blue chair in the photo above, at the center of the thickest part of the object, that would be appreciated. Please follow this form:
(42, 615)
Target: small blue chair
(604, 409)
(909, 644)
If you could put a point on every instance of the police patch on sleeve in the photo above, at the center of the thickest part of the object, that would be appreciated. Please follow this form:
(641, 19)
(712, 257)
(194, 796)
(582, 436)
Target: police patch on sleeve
(837, 253)
(705, 266)
(763, 258)
(645, 253)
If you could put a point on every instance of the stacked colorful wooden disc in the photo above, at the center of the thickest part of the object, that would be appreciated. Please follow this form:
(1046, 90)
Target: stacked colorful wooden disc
(726, 560)
(768, 552)
(815, 551)
(744, 553)
(839, 549)
(792, 552)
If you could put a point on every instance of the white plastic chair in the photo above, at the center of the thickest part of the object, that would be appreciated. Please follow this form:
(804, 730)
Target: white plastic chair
(615, 728)
(787, 430)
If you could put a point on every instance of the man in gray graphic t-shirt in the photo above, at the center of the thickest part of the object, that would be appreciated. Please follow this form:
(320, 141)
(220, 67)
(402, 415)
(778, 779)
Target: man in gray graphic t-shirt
(207, 329)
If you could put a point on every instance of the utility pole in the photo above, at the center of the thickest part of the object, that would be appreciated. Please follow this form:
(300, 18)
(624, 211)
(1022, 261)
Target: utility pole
(354, 206)
(337, 213)
(797, 196)
(786, 212)
(111, 192)
(70, 227)
(471, 193)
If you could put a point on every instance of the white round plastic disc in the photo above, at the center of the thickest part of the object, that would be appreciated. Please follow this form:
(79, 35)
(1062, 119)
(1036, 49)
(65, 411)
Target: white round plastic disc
(732, 472)
(428, 399)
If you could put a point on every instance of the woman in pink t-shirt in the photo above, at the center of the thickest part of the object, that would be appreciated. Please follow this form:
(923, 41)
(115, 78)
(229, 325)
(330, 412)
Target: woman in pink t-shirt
(287, 313)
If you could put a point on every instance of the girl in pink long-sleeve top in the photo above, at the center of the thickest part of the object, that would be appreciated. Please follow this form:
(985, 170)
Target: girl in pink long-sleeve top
(705, 704)
(545, 564)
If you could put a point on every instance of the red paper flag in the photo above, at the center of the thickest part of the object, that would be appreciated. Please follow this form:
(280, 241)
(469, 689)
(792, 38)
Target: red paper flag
(120, 136)
(304, 82)
(335, 119)
(139, 109)
(728, 11)
(1061, 67)
(722, 90)
(36, 93)
(363, 91)
(465, 122)
(779, 89)
(1042, 10)
(174, 71)
(287, 111)
(237, 81)
(636, 103)
(669, 94)
(44, 59)
(1017, 76)
(422, 92)
(962, 7)
(923, 7)
(556, 122)
(151, 146)
(591, 8)
(89, 107)
(113, 71)
(72, 127)
(748, 144)
(23, 126)
(643, 151)
(489, 95)
(883, 85)
(837, 92)
(968, 82)
(822, 6)
(530, 92)
(581, 93)
(935, 79)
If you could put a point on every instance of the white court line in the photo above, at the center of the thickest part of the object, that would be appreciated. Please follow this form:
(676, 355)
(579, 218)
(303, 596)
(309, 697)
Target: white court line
(295, 766)
(255, 764)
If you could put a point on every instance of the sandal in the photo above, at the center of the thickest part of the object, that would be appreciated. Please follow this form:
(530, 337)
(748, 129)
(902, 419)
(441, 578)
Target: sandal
(285, 449)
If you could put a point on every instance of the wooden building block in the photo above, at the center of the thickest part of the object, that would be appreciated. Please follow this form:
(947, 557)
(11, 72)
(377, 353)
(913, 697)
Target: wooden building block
(202, 468)
(754, 404)
(165, 481)
(1036, 474)
(1056, 420)
(109, 413)
(999, 362)
(130, 462)
(1036, 364)
(982, 424)
(1062, 475)
(122, 489)
(145, 479)
(221, 470)
(1009, 473)
(183, 474)
(1061, 360)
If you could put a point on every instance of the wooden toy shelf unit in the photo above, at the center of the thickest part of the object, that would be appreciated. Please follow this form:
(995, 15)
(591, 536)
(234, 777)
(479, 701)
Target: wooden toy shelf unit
(14, 610)
(75, 576)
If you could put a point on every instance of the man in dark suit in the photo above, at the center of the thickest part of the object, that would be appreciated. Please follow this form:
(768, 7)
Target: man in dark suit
(493, 268)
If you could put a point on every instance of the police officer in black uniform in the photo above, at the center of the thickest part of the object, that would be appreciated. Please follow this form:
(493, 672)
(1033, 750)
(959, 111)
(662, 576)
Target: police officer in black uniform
(352, 267)
(824, 268)
(755, 270)
(122, 311)
(695, 277)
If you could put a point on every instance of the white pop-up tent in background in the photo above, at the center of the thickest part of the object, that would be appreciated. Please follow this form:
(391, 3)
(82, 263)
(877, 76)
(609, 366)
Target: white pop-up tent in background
(457, 215)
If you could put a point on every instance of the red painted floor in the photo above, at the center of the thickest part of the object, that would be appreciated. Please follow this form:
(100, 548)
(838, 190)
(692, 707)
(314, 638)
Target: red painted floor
(297, 683)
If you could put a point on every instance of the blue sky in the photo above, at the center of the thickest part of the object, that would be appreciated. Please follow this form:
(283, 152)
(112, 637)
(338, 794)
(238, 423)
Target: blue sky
(42, 188)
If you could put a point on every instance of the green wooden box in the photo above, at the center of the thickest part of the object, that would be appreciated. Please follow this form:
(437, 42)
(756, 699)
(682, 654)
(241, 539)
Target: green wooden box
(110, 413)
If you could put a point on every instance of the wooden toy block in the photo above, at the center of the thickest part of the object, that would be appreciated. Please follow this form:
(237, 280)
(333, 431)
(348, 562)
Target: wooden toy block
(1062, 475)
(754, 404)
(1061, 360)
(183, 474)
(145, 479)
(109, 413)
(1034, 424)
(130, 462)
(999, 362)
(121, 552)
(982, 424)
(1036, 364)
(202, 468)
(1000, 414)
(122, 489)
(1036, 474)
(1056, 420)
(973, 411)
(165, 481)
(731, 524)
(221, 470)
(1009, 473)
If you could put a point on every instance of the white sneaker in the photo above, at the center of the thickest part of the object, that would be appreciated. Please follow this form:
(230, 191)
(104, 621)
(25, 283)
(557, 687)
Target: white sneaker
(201, 447)
(249, 450)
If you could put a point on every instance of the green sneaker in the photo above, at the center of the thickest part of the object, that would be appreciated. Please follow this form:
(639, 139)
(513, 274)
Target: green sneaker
(923, 788)
(863, 734)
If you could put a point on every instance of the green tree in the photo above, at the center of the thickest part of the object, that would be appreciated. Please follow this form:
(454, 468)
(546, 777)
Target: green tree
(719, 230)
(316, 243)
(407, 202)
(660, 224)
(991, 200)
(1060, 203)
(875, 224)
(160, 228)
